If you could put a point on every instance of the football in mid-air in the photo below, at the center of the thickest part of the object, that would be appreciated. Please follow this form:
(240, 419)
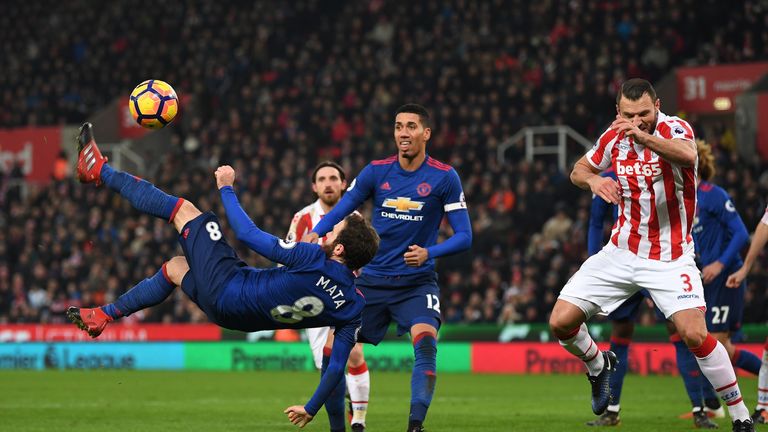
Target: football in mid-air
(153, 104)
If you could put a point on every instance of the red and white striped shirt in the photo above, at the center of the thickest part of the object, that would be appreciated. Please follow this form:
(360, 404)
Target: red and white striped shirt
(304, 220)
(658, 198)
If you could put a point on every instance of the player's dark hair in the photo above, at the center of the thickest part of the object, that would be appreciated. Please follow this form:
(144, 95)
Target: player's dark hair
(331, 164)
(416, 109)
(633, 89)
(706, 160)
(360, 240)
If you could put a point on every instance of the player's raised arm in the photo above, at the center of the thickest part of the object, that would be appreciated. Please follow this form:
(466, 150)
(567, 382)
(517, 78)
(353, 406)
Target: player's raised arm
(359, 191)
(265, 244)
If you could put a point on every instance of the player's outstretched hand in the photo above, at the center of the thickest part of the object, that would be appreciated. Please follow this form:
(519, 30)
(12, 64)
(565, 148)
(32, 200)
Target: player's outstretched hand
(225, 176)
(310, 237)
(606, 188)
(735, 279)
(298, 416)
(416, 256)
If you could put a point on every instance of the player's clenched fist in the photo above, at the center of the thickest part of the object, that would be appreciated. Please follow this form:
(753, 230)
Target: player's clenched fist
(225, 176)
(606, 188)
(735, 279)
(298, 416)
(310, 237)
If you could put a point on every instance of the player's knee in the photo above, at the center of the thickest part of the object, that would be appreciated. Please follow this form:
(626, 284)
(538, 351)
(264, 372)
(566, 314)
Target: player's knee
(692, 336)
(356, 358)
(560, 326)
(175, 269)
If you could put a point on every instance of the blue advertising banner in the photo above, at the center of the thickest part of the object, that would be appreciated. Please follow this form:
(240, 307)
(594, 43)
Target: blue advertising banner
(92, 356)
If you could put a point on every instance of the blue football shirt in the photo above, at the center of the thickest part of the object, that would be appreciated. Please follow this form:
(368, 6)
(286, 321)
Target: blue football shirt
(718, 231)
(408, 207)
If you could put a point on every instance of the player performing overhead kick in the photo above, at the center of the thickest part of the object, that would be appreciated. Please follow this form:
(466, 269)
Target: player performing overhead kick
(315, 287)
(329, 182)
(651, 244)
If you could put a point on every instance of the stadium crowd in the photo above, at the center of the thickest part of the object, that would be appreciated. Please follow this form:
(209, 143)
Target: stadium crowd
(281, 86)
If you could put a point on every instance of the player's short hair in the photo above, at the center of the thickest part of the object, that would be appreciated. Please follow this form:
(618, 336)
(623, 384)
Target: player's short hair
(706, 160)
(416, 109)
(360, 240)
(331, 164)
(633, 89)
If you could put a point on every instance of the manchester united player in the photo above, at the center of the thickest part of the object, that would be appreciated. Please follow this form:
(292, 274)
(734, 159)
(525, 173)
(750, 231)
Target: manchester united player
(329, 182)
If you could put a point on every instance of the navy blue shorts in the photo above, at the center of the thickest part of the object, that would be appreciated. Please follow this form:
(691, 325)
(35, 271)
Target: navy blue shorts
(404, 300)
(212, 262)
(725, 306)
(629, 309)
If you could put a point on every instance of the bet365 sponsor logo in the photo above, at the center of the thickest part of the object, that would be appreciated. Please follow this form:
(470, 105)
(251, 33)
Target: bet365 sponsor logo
(638, 168)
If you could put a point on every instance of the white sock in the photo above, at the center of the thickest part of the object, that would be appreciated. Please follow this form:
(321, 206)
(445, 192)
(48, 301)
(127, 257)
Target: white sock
(582, 346)
(716, 366)
(762, 382)
(359, 385)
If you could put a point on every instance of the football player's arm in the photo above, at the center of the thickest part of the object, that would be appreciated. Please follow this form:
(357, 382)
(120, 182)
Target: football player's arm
(289, 253)
(461, 239)
(587, 176)
(596, 221)
(759, 239)
(738, 231)
(359, 191)
(678, 147)
(344, 340)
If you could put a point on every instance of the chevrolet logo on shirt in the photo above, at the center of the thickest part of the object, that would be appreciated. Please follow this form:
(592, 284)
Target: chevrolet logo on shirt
(402, 204)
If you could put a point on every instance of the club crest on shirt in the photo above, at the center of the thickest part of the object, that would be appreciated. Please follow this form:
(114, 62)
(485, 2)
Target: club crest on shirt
(423, 189)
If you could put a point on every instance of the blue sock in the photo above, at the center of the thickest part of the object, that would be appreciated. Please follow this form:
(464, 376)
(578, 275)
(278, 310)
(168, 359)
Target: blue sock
(142, 195)
(617, 378)
(423, 377)
(334, 406)
(146, 293)
(693, 379)
(747, 361)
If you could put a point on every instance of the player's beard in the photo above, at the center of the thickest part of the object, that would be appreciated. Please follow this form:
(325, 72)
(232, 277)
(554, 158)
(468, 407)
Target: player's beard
(330, 202)
(328, 249)
(652, 127)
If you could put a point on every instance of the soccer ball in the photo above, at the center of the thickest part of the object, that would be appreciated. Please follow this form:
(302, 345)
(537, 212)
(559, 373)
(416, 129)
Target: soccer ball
(153, 104)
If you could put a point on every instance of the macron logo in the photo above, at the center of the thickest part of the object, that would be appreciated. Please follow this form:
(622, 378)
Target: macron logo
(638, 169)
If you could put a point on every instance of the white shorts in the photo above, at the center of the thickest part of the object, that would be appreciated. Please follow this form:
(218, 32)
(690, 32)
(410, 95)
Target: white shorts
(612, 275)
(317, 338)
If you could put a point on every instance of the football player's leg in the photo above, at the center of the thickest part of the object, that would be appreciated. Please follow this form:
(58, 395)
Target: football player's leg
(424, 375)
(677, 290)
(334, 405)
(417, 311)
(92, 167)
(359, 385)
(149, 292)
(761, 412)
(742, 359)
(712, 358)
(622, 329)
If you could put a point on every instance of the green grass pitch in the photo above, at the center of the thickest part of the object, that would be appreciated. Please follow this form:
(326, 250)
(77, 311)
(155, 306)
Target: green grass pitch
(254, 401)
